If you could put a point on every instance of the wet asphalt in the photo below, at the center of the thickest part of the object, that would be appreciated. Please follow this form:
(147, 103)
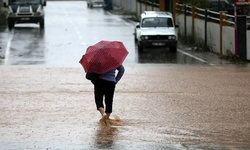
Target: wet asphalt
(155, 107)
(184, 101)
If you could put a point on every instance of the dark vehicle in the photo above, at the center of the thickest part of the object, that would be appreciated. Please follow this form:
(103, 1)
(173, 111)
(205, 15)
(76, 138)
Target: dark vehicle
(25, 11)
(221, 5)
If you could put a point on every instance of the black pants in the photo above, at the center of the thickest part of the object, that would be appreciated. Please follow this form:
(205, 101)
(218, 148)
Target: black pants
(104, 89)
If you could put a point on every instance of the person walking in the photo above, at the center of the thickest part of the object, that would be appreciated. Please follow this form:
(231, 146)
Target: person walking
(104, 87)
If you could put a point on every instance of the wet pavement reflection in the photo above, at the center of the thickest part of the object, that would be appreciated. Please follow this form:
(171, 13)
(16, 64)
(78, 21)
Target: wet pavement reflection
(196, 104)
(155, 107)
(66, 38)
(164, 56)
(106, 136)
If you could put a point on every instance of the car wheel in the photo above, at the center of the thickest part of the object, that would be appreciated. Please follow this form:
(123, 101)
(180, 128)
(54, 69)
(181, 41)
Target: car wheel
(173, 49)
(140, 48)
(11, 25)
(41, 23)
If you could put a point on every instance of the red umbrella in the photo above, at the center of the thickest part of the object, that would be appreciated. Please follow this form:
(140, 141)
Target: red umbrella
(103, 56)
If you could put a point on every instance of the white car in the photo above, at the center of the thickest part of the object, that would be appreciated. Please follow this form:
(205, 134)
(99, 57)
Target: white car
(156, 29)
(91, 3)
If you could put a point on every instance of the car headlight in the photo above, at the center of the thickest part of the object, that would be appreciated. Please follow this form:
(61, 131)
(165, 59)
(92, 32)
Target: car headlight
(171, 37)
(144, 37)
(12, 14)
(37, 14)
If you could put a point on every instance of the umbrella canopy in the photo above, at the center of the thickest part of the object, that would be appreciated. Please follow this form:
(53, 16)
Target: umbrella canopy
(103, 56)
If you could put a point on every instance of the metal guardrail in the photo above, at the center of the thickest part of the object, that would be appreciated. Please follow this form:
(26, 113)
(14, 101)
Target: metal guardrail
(200, 10)
(221, 18)
(180, 7)
(230, 20)
(153, 3)
(189, 8)
(212, 15)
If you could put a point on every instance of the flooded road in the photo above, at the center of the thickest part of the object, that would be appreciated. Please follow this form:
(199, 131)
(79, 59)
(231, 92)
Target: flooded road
(155, 107)
(178, 101)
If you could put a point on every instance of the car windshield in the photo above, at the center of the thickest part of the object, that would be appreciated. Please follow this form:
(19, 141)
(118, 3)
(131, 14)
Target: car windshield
(157, 22)
(25, 1)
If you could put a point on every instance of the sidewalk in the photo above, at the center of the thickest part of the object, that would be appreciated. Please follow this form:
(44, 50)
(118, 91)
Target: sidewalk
(159, 106)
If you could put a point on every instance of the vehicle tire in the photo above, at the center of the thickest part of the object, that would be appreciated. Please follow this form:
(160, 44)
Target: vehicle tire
(140, 48)
(41, 23)
(11, 25)
(173, 49)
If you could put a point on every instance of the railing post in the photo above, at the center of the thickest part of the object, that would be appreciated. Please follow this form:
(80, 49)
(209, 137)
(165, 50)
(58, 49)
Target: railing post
(185, 21)
(162, 5)
(174, 10)
(193, 17)
(222, 23)
(206, 19)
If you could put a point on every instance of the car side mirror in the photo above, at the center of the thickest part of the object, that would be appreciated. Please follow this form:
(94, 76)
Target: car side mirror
(45, 3)
(177, 26)
(137, 25)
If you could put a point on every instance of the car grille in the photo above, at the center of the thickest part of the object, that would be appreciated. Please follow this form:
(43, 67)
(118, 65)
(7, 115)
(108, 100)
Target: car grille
(27, 14)
(158, 37)
(24, 9)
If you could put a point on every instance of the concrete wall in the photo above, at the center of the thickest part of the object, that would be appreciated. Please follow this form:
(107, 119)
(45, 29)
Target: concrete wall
(127, 5)
(199, 26)
(228, 40)
(180, 21)
(248, 45)
(141, 7)
(213, 35)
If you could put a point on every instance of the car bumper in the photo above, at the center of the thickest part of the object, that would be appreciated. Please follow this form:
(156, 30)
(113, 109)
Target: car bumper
(25, 19)
(97, 2)
(162, 43)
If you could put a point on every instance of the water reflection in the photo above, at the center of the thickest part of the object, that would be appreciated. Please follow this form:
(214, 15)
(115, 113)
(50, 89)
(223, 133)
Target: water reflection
(105, 136)
(157, 56)
(27, 47)
(164, 56)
